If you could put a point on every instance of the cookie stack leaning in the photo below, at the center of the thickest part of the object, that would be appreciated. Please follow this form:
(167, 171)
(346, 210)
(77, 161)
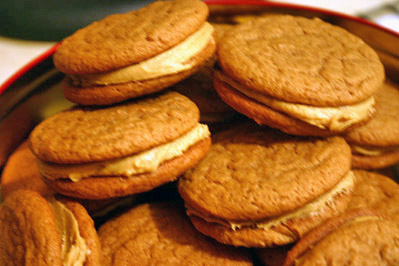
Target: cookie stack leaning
(302, 76)
(144, 139)
(137, 53)
(258, 187)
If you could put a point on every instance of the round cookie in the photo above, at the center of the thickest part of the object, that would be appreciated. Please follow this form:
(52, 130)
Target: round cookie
(161, 234)
(302, 76)
(99, 153)
(376, 143)
(140, 52)
(21, 172)
(31, 228)
(359, 237)
(258, 187)
(375, 191)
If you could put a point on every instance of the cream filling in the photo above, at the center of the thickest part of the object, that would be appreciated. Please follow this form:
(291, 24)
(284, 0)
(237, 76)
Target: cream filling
(318, 205)
(332, 118)
(144, 162)
(371, 151)
(74, 248)
(172, 61)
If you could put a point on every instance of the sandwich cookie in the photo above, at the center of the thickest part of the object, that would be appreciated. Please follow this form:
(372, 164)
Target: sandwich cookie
(98, 153)
(359, 237)
(161, 234)
(258, 187)
(128, 55)
(21, 172)
(375, 191)
(36, 231)
(376, 143)
(302, 76)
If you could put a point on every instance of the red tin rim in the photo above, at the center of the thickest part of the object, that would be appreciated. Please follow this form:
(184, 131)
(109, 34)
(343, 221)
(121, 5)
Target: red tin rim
(28, 67)
(51, 51)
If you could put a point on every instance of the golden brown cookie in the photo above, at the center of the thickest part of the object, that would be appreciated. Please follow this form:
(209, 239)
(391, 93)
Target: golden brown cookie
(376, 143)
(307, 73)
(21, 172)
(98, 153)
(258, 187)
(36, 231)
(161, 234)
(375, 191)
(359, 237)
(140, 52)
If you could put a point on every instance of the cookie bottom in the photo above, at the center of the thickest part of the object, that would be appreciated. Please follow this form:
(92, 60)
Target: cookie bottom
(375, 162)
(282, 234)
(266, 116)
(114, 93)
(110, 187)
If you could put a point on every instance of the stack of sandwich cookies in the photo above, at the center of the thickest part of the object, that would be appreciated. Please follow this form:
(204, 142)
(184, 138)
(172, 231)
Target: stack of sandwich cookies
(98, 153)
(359, 237)
(36, 231)
(141, 52)
(258, 187)
(161, 234)
(376, 144)
(302, 76)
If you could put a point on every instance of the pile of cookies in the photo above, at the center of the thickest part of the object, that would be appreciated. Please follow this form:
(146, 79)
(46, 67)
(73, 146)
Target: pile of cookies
(287, 100)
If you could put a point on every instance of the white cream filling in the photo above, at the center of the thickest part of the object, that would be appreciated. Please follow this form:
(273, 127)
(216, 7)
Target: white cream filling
(332, 118)
(172, 61)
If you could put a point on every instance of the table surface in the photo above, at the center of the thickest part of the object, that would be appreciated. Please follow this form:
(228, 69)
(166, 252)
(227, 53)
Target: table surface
(16, 53)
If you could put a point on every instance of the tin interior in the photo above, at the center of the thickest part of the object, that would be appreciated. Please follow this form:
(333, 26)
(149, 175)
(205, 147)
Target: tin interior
(37, 94)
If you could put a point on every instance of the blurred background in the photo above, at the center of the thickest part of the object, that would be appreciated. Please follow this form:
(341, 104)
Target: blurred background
(28, 28)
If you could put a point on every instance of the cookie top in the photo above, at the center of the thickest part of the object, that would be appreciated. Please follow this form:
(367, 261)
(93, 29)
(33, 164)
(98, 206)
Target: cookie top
(124, 39)
(362, 240)
(301, 60)
(383, 129)
(33, 232)
(161, 234)
(253, 172)
(86, 134)
(376, 192)
(22, 172)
